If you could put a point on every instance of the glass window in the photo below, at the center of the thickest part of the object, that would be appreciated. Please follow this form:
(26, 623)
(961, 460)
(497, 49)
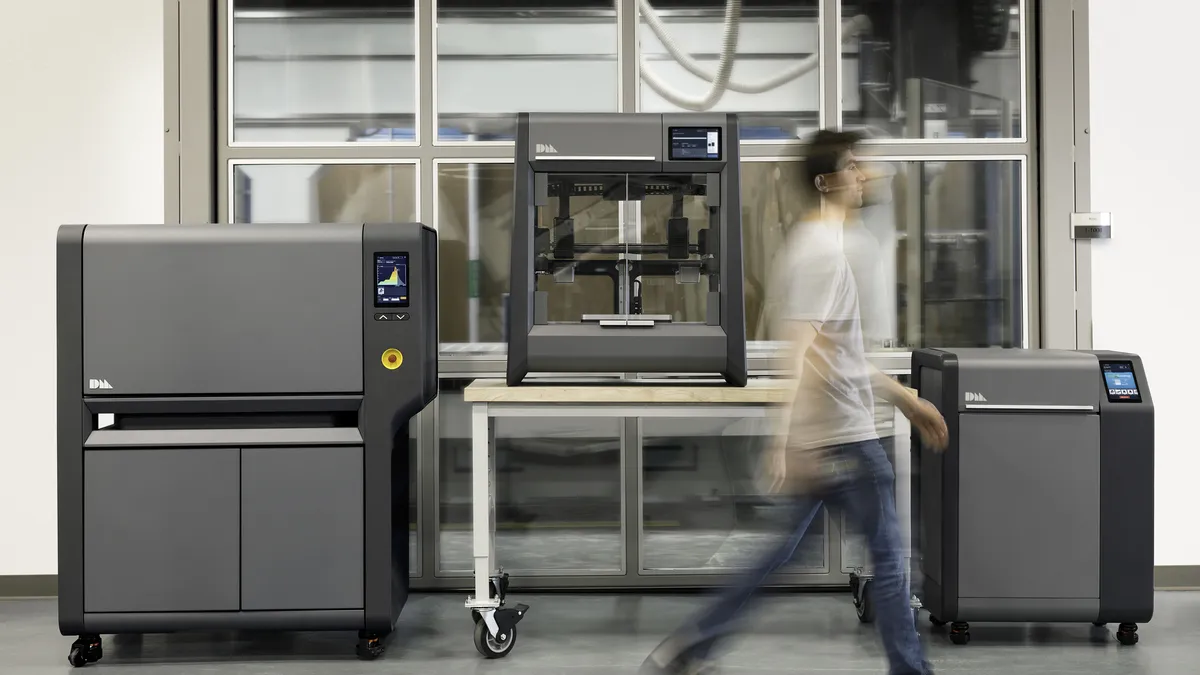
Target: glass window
(963, 284)
(558, 491)
(493, 62)
(702, 505)
(329, 193)
(963, 287)
(932, 69)
(306, 73)
(774, 82)
(474, 223)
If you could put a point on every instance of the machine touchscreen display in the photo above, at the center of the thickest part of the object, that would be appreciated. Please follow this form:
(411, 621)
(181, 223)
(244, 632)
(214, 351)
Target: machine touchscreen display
(391, 280)
(1119, 382)
(695, 143)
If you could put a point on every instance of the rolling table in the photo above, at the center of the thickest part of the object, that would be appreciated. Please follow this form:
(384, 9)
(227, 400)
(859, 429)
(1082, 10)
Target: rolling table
(495, 621)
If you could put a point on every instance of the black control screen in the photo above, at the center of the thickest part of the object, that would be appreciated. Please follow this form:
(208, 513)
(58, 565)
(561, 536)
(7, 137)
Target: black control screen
(695, 143)
(391, 280)
(1119, 382)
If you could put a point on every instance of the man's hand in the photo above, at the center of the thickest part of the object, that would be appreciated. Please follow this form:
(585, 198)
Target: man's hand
(775, 468)
(926, 419)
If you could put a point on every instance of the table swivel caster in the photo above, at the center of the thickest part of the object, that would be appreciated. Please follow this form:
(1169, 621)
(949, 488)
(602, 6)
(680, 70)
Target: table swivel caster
(87, 649)
(370, 645)
(496, 627)
(863, 606)
(960, 632)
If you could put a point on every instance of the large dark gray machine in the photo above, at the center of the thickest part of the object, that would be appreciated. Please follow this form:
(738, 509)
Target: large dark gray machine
(1042, 507)
(233, 410)
(627, 246)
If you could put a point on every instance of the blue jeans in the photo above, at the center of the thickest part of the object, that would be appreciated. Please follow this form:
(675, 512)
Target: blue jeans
(867, 496)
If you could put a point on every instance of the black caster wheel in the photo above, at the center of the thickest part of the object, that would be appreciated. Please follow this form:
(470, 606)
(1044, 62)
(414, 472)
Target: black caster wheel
(1127, 634)
(369, 647)
(494, 647)
(863, 606)
(938, 623)
(87, 649)
(960, 633)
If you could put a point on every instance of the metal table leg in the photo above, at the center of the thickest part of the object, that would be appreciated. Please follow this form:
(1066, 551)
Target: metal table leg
(495, 624)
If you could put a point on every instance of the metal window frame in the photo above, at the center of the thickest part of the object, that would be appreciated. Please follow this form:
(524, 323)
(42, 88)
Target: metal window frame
(199, 161)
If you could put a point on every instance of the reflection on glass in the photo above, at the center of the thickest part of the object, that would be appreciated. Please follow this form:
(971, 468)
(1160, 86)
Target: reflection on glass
(330, 193)
(933, 69)
(493, 62)
(774, 82)
(308, 72)
(558, 491)
(702, 507)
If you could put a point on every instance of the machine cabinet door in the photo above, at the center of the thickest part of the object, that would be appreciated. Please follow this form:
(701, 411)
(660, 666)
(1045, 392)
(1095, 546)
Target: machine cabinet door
(302, 528)
(161, 530)
(1029, 504)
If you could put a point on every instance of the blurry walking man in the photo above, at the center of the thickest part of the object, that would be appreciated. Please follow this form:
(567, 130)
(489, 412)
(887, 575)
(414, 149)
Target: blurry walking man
(830, 451)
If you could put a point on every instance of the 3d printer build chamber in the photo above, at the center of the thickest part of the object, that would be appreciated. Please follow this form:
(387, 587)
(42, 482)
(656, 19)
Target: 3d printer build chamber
(647, 207)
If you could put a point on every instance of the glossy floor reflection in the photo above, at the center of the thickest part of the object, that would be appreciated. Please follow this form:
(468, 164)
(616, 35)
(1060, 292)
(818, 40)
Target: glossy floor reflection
(610, 634)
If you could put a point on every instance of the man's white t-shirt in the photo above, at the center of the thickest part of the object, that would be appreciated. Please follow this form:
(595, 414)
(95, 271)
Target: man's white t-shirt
(813, 282)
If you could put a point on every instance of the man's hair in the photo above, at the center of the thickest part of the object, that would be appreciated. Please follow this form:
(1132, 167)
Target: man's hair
(822, 153)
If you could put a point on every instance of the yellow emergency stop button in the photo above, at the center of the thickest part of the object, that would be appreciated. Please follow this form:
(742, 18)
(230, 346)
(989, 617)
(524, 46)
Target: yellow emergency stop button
(392, 358)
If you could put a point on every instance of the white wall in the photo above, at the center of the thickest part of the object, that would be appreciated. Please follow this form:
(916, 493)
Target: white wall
(1143, 285)
(81, 129)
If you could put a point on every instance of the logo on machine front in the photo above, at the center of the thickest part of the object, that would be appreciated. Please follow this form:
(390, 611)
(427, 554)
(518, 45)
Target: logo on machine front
(972, 397)
(98, 384)
(545, 149)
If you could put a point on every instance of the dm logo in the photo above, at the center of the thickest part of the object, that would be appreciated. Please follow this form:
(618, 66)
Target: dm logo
(545, 149)
(99, 384)
(972, 397)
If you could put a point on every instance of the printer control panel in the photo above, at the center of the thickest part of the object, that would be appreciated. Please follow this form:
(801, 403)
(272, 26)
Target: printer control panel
(1120, 383)
(391, 281)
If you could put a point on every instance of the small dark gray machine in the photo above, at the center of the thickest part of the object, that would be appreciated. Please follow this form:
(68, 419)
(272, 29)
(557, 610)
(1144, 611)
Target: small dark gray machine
(233, 409)
(627, 246)
(1042, 507)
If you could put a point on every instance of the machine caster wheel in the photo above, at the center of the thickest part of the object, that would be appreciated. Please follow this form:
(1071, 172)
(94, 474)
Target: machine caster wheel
(1127, 634)
(938, 623)
(370, 646)
(494, 647)
(87, 649)
(960, 633)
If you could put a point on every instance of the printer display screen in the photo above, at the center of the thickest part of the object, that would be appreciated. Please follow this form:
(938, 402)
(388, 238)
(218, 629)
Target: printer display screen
(391, 280)
(692, 143)
(1119, 382)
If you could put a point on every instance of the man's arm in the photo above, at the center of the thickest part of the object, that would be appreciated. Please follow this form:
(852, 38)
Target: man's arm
(921, 413)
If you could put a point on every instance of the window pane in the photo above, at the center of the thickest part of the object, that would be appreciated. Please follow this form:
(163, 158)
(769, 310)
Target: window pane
(330, 193)
(558, 491)
(932, 69)
(775, 83)
(702, 505)
(307, 74)
(474, 222)
(495, 62)
(963, 286)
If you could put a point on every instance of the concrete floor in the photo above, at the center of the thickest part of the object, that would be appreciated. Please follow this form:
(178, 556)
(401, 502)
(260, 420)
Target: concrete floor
(611, 634)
